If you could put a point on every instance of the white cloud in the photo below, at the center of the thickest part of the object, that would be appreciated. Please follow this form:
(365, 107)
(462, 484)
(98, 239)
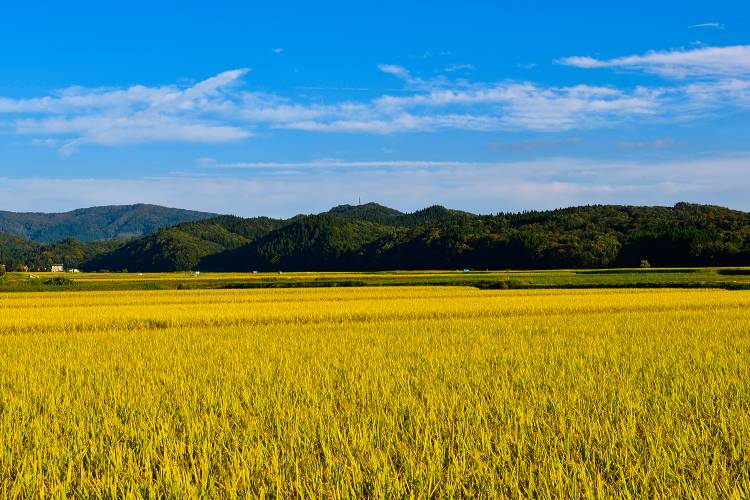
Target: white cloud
(133, 129)
(478, 187)
(646, 145)
(221, 108)
(707, 25)
(277, 50)
(531, 107)
(207, 94)
(728, 94)
(534, 144)
(323, 164)
(397, 71)
(137, 114)
(451, 68)
(714, 62)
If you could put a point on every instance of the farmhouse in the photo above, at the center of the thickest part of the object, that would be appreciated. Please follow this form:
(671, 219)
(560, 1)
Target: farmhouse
(57, 268)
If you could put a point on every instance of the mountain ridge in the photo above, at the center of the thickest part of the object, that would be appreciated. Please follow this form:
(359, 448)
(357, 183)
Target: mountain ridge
(108, 222)
(373, 237)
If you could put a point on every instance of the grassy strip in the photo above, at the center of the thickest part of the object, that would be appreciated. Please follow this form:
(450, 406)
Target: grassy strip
(515, 285)
(733, 272)
(641, 271)
(552, 279)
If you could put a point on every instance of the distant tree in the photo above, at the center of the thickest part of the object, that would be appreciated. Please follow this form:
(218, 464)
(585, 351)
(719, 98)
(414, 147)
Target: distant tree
(19, 267)
(2, 269)
(59, 281)
(645, 264)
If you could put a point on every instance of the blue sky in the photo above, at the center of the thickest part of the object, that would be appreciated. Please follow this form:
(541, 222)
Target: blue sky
(295, 107)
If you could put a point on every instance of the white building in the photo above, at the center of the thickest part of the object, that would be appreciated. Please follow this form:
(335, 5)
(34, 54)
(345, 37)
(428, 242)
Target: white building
(58, 268)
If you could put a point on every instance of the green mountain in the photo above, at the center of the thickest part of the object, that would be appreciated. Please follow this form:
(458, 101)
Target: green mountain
(374, 212)
(16, 251)
(312, 242)
(334, 239)
(97, 223)
(183, 246)
(373, 237)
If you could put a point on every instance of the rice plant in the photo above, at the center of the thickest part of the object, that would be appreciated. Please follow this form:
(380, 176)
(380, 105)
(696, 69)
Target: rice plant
(375, 392)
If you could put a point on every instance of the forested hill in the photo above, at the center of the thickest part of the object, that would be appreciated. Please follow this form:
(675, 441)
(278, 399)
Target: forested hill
(373, 237)
(97, 223)
(184, 246)
(373, 212)
(15, 252)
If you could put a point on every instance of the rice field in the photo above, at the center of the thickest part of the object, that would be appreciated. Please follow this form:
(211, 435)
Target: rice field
(375, 392)
(725, 278)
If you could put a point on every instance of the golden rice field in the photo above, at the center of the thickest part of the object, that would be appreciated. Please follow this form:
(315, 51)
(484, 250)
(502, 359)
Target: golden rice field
(375, 392)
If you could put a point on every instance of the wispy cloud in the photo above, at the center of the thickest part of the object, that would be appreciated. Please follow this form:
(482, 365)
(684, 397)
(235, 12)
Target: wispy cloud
(334, 163)
(397, 71)
(329, 89)
(707, 25)
(137, 114)
(277, 50)
(533, 144)
(715, 62)
(222, 108)
(412, 82)
(646, 145)
(526, 65)
(451, 68)
(478, 187)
